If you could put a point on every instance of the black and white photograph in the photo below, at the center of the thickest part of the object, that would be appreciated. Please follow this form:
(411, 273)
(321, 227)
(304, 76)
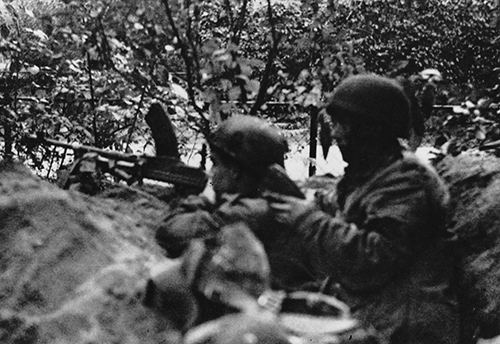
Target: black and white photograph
(250, 171)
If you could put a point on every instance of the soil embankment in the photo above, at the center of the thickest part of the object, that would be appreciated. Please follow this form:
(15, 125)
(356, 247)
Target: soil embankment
(72, 268)
(474, 181)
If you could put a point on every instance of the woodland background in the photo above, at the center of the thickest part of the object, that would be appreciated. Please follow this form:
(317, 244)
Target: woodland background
(86, 71)
(74, 267)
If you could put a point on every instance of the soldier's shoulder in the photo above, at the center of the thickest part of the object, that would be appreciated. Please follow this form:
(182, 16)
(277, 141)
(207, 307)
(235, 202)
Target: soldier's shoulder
(411, 171)
(241, 199)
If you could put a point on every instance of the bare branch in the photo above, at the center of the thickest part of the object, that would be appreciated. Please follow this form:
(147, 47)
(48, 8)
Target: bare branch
(229, 10)
(92, 101)
(238, 27)
(273, 51)
(136, 115)
(191, 41)
(189, 68)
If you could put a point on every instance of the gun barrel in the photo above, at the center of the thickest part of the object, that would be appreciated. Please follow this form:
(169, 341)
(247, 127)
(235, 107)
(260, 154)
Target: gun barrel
(102, 152)
(490, 145)
(163, 168)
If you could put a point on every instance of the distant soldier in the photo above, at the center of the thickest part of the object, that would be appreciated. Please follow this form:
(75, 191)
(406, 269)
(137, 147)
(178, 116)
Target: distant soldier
(421, 92)
(417, 127)
(242, 150)
(383, 245)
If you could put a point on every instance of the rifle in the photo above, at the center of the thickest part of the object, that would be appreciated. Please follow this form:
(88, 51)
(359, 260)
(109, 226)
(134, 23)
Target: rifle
(131, 167)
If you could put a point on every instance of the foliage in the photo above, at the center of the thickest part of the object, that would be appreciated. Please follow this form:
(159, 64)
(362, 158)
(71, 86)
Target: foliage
(453, 36)
(469, 121)
(86, 71)
(81, 73)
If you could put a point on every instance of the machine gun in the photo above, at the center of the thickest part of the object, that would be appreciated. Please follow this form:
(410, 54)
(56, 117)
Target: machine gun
(490, 145)
(129, 167)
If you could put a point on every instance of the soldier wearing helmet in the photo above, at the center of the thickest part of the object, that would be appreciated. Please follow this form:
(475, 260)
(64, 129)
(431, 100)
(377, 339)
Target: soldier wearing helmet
(382, 244)
(243, 147)
(242, 150)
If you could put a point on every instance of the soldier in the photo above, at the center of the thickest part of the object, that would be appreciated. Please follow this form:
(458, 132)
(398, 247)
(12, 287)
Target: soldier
(383, 244)
(221, 271)
(219, 293)
(242, 150)
(217, 276)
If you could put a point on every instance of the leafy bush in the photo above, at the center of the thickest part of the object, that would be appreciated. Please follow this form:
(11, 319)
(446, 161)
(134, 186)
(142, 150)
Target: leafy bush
(85, 71)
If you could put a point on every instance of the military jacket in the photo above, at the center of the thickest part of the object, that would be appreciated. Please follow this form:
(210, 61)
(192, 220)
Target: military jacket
(387, 252)
(197, 217)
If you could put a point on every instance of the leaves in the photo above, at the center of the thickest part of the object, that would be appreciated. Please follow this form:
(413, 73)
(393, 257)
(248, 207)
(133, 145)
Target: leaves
(77, 69)
(179, 91)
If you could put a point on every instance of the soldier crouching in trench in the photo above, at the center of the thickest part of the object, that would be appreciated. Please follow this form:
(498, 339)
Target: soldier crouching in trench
(242, 150)
(219, 241)
(382, 244)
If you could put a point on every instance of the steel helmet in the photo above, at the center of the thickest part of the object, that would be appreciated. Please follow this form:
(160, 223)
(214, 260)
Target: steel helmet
(250, 142)
(373, 98)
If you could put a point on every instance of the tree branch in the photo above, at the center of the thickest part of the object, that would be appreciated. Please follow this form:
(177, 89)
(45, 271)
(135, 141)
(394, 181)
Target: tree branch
(192, 45)
(229, 10)
(238, 27)
(189, 71)
(136, 115)
(273, 50)
(92, 101)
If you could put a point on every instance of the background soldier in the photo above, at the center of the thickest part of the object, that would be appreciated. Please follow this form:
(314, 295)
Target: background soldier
(384, 243)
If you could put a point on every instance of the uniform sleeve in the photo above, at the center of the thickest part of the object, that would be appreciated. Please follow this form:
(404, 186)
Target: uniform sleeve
(363, 256)
(254, 212)
(189, 220)
(198, 218)
(326, 200)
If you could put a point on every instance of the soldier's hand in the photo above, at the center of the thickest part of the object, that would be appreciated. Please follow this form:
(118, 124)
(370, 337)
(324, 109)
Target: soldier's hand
(326, 200)
(288, 209)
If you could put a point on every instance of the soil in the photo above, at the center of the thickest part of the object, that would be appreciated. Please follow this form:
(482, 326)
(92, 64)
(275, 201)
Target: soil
(73, 268)
(474, 181)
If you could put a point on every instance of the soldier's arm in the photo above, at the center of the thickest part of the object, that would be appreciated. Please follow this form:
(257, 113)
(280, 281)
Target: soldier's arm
(191, 219)
(367, 256)
(252, 211)
(199, 218)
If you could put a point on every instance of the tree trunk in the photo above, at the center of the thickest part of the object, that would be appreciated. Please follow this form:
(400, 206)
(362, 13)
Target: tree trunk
(497, 15)
(8, 141)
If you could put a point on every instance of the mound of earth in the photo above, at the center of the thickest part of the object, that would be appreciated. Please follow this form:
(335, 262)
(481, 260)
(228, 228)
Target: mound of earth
(73, 268)
(474, 181)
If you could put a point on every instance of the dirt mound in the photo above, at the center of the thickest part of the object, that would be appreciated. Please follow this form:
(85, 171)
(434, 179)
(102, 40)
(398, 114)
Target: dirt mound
(72, 268)
(474, 181)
